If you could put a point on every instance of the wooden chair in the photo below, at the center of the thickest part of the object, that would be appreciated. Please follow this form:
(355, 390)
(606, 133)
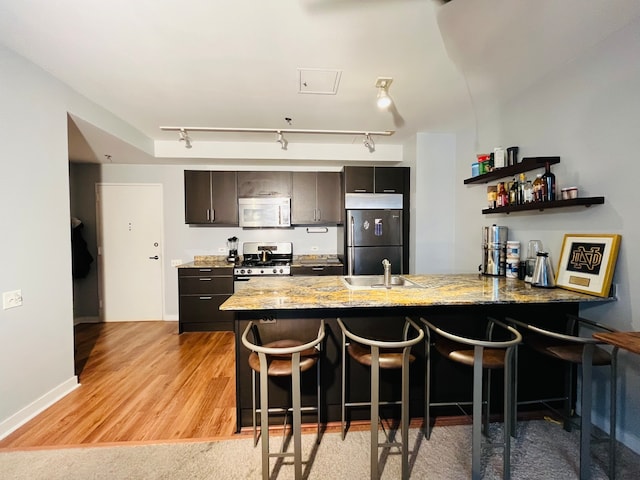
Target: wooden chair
(284, 357)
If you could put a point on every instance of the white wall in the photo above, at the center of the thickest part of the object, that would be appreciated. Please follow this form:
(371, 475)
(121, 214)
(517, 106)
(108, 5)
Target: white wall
(587, 111)
(36, 340)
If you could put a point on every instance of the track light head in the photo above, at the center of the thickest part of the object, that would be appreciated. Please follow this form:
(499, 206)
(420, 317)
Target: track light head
(384, 100)
(282, 141)
(369, 143)
(184, 137)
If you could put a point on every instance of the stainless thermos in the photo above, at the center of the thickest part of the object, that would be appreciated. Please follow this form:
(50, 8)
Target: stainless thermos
(494, 250)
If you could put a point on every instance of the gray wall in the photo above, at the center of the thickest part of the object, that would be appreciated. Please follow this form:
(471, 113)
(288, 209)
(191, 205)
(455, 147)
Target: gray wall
(587, 112)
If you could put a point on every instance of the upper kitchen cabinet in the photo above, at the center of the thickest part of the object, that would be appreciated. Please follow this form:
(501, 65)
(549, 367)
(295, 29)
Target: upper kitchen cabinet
(317, 198)
(210, 198)
(391, 179)
(376, 179)
(264, 184)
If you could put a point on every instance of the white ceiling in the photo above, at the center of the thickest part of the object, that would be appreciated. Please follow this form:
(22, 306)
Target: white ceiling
(231, 63)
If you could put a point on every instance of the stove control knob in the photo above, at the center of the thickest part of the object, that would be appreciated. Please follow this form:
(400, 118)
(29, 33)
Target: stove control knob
(275, 270)
(249, 271)
(261, 271)
(242, 271)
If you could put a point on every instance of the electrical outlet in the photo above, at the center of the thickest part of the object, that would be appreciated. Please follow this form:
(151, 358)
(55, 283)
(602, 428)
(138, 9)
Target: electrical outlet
(175, 262)
(11, 299)
(314, 249)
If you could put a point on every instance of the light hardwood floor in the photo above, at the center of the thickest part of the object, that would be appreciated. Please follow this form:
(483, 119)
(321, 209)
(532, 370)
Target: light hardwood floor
(140, 382)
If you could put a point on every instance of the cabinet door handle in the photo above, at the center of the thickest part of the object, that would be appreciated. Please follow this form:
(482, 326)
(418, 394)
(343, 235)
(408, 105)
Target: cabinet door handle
(205, 298)
(204, 270)
(360, 190)
(155, 257)
(317, 269)
(208, 215)
(213, 214)
(205, 279)
(389, 190)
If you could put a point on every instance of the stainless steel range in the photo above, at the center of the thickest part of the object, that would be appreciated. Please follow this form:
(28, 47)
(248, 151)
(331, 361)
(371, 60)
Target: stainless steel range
(262, 259)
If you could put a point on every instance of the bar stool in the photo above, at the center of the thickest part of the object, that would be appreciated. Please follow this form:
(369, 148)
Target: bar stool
(481, 355)
(387, 355)
(578, 351)
(282, 358)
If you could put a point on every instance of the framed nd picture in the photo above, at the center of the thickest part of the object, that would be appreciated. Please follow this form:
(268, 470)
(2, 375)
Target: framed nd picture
(587, 262)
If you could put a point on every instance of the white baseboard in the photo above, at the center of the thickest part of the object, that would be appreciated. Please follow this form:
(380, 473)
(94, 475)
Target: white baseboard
(30, 411)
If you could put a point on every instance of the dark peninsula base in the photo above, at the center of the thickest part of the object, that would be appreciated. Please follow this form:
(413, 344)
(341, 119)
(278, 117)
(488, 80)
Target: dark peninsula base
(538, 377)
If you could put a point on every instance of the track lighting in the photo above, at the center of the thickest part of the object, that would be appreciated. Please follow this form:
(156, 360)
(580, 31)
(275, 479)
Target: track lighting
(384, 100)
(369, 143)
(184, 137)
(282, 141)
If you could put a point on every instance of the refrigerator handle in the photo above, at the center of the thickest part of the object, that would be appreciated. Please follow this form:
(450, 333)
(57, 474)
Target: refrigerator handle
(351, 253)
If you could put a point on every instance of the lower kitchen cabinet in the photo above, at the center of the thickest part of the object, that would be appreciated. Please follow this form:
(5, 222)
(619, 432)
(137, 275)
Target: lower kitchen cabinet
(201, 292)
(310, 270)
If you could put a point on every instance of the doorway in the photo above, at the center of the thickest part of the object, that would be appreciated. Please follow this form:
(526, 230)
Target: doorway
(130, 251)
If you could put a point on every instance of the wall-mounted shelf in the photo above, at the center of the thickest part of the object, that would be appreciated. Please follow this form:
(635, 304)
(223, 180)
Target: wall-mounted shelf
(527, 164)
(586, 201)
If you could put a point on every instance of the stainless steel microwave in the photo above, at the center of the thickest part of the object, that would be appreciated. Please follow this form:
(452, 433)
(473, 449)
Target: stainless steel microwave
(264, 212)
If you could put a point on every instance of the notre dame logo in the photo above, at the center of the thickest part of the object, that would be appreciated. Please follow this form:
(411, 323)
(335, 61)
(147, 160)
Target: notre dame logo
(586, 258)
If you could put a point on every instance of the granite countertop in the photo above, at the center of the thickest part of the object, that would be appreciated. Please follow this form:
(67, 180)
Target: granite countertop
(208, 261)
(315, 260)
(329, 292)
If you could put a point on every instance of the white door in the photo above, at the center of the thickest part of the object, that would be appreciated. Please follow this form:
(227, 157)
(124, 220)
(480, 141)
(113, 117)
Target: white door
(129, 222)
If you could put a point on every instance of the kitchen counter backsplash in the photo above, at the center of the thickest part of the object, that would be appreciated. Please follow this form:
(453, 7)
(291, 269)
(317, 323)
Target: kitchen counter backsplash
(220, 261)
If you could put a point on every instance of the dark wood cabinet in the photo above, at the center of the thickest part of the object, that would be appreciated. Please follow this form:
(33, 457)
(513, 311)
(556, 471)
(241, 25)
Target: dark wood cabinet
(210, 198)
(317, 270)
(264, 184)
(391, 179)
(317, 198)
(201, 292)
(358, 179)
(376, 179)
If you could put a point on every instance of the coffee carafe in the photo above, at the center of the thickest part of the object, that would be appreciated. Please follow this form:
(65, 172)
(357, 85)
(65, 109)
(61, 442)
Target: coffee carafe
(543, 272)
(232, 245)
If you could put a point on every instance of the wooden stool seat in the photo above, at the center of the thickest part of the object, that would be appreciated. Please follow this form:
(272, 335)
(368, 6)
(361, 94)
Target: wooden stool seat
(569, 352)
(492, 358)
(390, 358)
(280, 365)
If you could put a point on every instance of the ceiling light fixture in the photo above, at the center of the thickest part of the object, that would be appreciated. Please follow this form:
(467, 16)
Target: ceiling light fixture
(369, 143)
(282, 141)
(184, 137)
(384, 100)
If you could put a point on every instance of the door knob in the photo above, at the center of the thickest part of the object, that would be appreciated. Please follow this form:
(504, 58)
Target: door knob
(155, 257)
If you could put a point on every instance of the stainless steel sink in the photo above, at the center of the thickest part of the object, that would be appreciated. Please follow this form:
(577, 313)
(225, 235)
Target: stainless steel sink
(377, 281)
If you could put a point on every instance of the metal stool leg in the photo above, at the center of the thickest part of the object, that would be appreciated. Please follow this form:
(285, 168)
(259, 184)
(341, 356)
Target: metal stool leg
(585, 417)
(253, 407)
(344, 383)
(508, 409)
(375, 399)
(264, 415)
(297, 416)
(404, 414)
(427, 388)
(612, 413)
(477, 414)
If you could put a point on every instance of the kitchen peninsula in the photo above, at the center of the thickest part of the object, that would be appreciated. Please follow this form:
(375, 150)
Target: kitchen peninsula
(293, 306)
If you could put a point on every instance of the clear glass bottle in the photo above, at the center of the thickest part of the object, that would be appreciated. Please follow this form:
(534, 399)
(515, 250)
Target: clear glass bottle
(549, 182)
(528, 192)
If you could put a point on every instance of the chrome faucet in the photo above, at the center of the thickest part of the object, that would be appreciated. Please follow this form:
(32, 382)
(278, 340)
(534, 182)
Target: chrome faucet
(387, 272)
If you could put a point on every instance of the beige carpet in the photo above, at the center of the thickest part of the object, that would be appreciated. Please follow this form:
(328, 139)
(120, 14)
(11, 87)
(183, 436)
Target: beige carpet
(542, 451)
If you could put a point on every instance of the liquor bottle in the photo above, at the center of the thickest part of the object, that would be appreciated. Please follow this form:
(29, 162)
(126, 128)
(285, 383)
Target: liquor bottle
(521, 187)
(503, 197)
(549, 181)
(513, 192)
(537, 188)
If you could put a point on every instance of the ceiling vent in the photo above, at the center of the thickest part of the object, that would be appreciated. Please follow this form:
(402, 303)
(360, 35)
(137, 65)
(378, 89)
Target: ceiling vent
(318, 82)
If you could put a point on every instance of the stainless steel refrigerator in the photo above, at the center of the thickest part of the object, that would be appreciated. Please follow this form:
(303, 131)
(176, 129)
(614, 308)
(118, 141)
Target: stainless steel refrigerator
(371, 236)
